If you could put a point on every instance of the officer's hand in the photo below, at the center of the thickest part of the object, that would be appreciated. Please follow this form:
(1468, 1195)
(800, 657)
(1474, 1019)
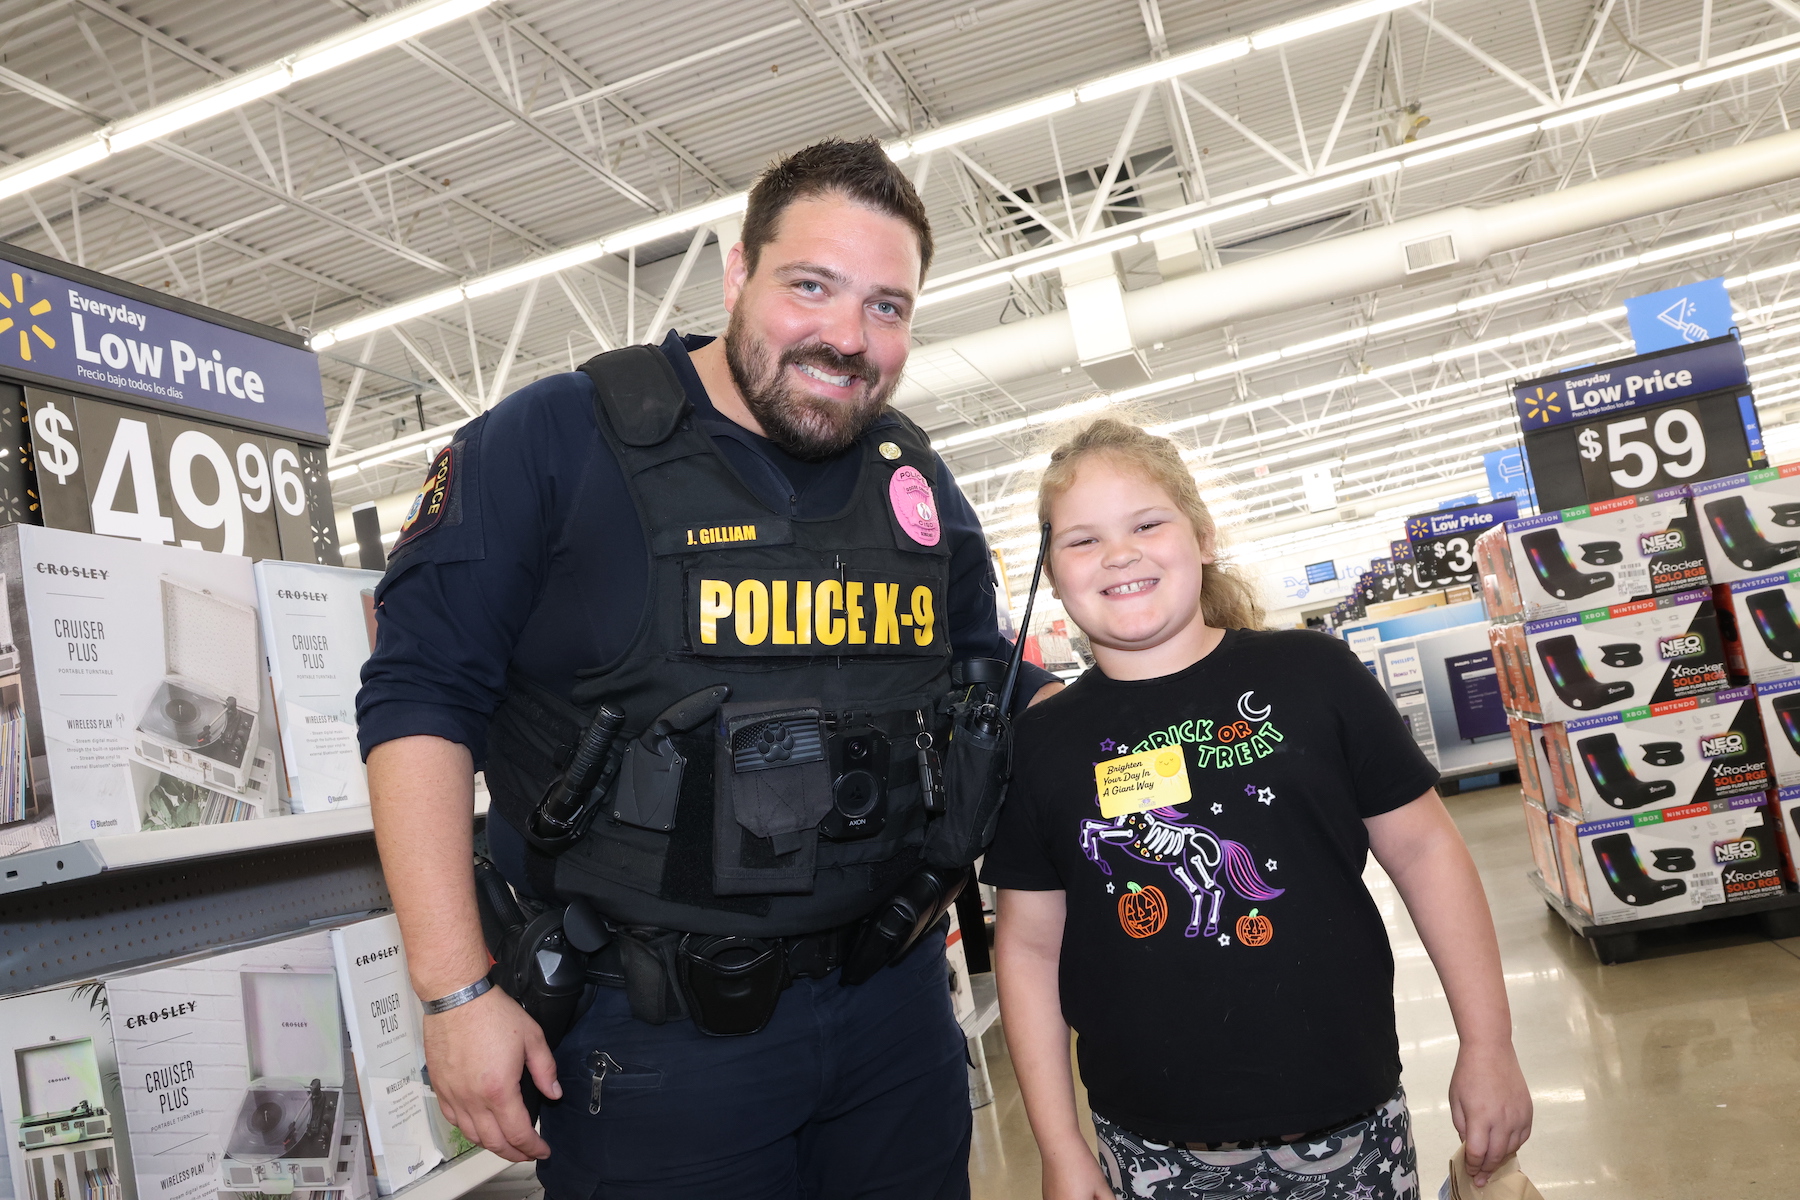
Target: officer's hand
(478, 1052)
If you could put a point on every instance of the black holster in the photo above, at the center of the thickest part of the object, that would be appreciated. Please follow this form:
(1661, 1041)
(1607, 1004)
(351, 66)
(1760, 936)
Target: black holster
(977, 769)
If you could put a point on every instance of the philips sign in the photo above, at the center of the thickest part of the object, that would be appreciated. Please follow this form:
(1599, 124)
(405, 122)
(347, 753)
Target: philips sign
(83, 334)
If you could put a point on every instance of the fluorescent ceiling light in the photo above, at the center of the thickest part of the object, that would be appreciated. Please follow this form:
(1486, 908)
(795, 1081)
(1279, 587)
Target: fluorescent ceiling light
(535, 268)
(1074, 256)
(958, 291)
(678, 222)
(1006, 118)
(1480, 143)
(390, 30)
(1202, 220)
(1600, 110)
(1335, 18)
(435, 302)
(199, 106)
(232, 93)
(23, 176)
(1338, 181)
(1168, 68)
(1743, 68)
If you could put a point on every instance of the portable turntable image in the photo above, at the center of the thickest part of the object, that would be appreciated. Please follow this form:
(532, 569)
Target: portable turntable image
(65, 1135)
(202, 723)
(286, 1132)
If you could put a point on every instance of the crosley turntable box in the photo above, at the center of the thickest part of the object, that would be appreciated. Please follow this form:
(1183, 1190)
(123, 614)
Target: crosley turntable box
(144, 700)
(236, 1072)
(316, 640)
(59, 1093)
(387, 1035)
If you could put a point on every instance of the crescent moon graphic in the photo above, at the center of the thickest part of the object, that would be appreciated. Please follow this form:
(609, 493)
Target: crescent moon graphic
(1248, 713)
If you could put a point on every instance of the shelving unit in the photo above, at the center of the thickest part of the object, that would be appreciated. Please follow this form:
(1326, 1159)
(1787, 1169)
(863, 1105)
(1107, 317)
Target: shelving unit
(1619, 941)
(95, 856)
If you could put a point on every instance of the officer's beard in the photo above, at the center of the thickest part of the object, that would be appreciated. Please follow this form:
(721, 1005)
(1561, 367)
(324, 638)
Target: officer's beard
(806, 426)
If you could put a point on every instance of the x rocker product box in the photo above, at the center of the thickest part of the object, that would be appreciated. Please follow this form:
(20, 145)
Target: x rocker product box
(59, 1093)
(144, 701)
(1787, 815)
(387, 1036)
(1779, 704)
(234, 1074)
(1750, 522)
(1494, 573)
(316, 641)
(1670, 860)
(1760, 619)
(1606, 659)
(1602, 554)
(1664, 755)
(1518, 686)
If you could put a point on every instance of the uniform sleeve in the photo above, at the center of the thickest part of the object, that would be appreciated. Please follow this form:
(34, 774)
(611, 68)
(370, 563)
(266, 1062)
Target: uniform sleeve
(460, 587)
(1387, 768)
(1020, 856)
(974, 619)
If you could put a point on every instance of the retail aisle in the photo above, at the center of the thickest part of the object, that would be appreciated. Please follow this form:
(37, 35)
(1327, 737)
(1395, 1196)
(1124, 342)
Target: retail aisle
(1670, 1078)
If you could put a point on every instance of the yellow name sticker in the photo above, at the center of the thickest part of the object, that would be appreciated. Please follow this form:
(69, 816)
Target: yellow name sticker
(1143, 781)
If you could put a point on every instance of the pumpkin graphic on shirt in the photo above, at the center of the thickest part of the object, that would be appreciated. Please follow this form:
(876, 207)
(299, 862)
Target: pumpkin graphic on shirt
(1254, 929)
(1143, 910)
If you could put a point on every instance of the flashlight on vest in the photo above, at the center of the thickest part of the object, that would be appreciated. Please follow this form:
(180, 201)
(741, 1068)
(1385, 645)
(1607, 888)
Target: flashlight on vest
(572, 798)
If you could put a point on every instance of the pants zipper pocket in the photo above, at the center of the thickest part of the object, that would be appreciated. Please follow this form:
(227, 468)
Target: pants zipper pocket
(600, 1064)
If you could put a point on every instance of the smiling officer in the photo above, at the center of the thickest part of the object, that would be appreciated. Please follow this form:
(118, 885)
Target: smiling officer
(765, 577)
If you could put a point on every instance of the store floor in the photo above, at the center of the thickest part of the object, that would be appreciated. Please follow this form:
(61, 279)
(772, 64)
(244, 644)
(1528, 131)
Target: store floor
(1670, 1078)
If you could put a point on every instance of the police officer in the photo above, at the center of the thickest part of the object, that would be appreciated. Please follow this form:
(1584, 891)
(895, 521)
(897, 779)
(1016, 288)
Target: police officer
(734, 543)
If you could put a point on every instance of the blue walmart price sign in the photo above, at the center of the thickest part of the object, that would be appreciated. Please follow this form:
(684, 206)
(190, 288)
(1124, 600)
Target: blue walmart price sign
(1640, 424)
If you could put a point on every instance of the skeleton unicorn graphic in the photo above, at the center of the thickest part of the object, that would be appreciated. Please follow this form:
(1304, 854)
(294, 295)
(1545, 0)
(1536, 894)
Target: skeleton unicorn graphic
(1198, 859)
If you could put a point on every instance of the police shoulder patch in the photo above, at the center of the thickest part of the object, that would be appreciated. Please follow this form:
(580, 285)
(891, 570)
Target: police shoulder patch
(433, 500)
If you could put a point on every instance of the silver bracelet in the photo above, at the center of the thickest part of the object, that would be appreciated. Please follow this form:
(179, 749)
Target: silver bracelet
(457, 999)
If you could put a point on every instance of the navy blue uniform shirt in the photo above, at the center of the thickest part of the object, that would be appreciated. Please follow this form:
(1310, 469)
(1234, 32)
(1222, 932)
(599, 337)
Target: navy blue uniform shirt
(539, 561)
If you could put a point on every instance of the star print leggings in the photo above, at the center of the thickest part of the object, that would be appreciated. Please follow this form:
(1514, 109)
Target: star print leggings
(1368, 1158)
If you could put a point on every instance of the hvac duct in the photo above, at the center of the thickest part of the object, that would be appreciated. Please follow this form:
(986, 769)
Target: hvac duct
(1360, 262)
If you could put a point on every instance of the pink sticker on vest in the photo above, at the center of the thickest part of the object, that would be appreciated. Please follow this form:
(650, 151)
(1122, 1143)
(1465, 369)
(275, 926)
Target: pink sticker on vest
(914, 506)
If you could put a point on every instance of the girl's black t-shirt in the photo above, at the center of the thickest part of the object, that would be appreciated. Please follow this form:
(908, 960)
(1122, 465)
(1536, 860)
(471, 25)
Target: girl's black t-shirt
(1226, 969)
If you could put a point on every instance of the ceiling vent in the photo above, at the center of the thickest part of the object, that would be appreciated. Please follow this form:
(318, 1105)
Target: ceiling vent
(1439, 250)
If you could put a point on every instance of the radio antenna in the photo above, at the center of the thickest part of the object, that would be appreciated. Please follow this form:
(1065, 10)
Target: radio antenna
(1018, 654)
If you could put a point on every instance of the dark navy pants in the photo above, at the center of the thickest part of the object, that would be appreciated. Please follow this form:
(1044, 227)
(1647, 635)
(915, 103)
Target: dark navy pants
(849, 1092)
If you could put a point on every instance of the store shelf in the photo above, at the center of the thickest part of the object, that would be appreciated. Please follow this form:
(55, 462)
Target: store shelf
(448, 1181)
(94, 856)
(1618, 941)
(987, 1005)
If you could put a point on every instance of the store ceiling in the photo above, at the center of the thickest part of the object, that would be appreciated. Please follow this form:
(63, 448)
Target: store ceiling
(537, 125)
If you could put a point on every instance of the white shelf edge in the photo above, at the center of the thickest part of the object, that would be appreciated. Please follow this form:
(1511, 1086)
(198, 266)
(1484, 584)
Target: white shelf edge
(92, 856)
(452, 1179)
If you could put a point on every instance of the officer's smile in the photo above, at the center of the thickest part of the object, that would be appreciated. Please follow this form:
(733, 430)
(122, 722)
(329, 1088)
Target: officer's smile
(833, 384)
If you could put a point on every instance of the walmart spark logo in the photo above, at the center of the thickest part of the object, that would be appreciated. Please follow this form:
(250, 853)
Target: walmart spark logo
(1540, 406)
(23, 319)
(1417, 528)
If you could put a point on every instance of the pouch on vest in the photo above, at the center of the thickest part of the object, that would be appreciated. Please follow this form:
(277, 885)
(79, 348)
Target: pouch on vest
(771, 787)
(649, 785)
(976, 771)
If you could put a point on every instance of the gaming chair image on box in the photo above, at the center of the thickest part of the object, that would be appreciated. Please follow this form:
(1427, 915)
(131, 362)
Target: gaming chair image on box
(1787, 715)
(1550, 563)
(1774, 618)
(1626, 876)
(1605, 761)
(1741, 539)
(1575, 685)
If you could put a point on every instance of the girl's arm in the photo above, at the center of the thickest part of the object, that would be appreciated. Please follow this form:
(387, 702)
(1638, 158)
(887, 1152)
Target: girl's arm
(1027, 949)
(1419, 847)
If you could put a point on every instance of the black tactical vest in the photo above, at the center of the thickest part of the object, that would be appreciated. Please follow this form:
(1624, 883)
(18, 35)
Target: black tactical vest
(845, 615)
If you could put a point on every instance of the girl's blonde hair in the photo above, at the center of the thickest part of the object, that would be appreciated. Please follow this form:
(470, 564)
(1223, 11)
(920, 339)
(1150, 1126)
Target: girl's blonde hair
(1227, 599)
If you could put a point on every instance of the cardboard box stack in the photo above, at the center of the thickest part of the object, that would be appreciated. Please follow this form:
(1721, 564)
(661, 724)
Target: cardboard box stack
(1643, 757)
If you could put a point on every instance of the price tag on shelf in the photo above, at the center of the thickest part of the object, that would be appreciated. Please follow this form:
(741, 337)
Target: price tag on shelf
(128, 472)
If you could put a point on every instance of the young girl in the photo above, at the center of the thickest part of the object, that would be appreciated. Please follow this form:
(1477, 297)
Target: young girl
(1180, 874)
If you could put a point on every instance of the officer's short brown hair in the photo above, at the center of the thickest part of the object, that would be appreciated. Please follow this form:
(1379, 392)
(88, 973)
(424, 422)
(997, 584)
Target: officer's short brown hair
(860, 171)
